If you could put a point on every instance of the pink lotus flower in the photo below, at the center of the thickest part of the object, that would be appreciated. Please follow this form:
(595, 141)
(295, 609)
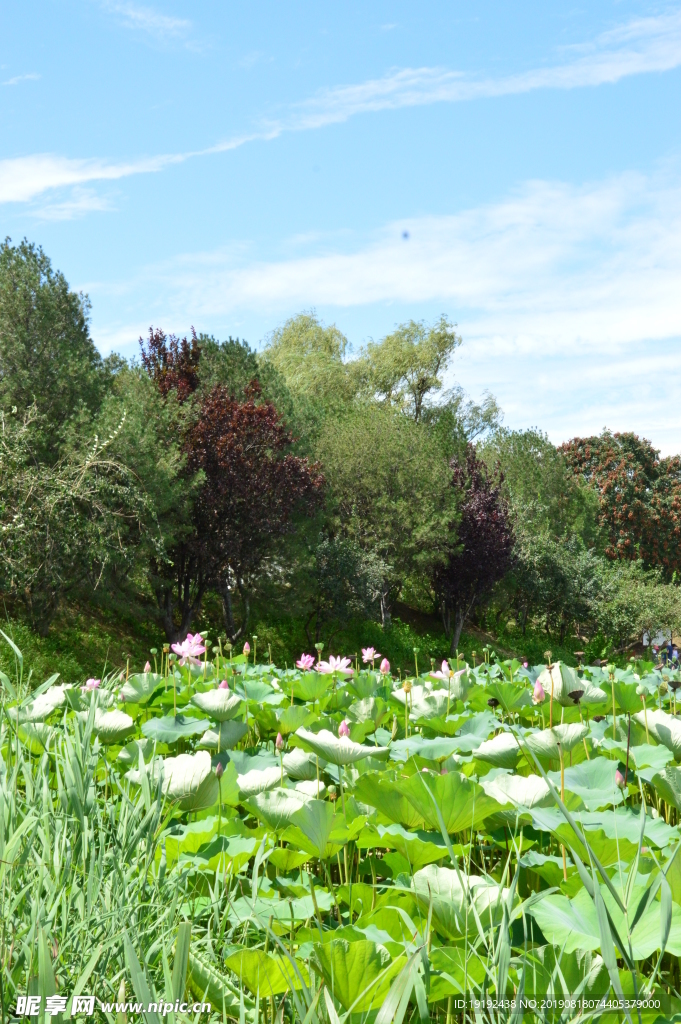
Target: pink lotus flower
(341, 665)
(369, 654)
(344, 729)
(279, 742)
(305, 662)
(444, 672)
(188, 652)
(538, 696)
(619, 779)
(247, 648)
(385, 667)
(147, 667)
(91, 684)
(524, 664)
(223, 685)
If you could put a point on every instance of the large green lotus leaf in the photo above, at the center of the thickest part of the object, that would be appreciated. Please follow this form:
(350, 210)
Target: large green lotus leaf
(299, 764)
(431, 750)
(445, 725)
(225, 737)
(41, 707)
(320, 826)
(668, 785)
(451, 902)
(357, 974)
(511, 696)
(130, 753)
(36, 736)
(222, 705)
(268, 974)
(370, 711)
(172, 728)
(293, 716)
(593, 781)
(287, 858)
(189, 839)
(453, 969)
(413, 696)
(641, 756)
(225, 853)
(665, 728)
(255, 690)
(418, 848)
(266, 717)
(113, 726)
(474, 730)
(517, 790)
(258, 781)
(276, 807)
(434, 705)
(550, 969)
(626, 697)
(337, 750)
(366, 684)
(383, 793)
(563, 680)
(140, 688)
(572, 924)
(463, 803)
(606, 830)
(502, 751)
(190, 779)
(308, 687)
(549, 742)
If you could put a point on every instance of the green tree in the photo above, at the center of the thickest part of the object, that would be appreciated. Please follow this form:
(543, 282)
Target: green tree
(391, 491)
(405, 368)
(48, 360)
(65, 526)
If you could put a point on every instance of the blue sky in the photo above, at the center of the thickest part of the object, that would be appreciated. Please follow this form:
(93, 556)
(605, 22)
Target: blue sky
(227, 166)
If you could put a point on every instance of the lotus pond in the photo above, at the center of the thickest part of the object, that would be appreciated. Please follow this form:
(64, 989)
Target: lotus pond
(330, 843)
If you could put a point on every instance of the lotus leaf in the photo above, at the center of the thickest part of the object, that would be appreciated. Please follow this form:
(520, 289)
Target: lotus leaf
(140, 688)
(172, 728)
(221, 705)
(225, 737)
(358, 974)
(453, 896)
(337, 750)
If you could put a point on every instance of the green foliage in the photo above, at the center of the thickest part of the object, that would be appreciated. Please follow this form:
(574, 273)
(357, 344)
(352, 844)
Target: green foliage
(47, 357)
(401, 870)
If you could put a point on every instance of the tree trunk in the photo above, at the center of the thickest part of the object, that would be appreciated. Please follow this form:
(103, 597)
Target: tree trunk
(459, 619)
(233, 633)
(386, 617)
(446, 613)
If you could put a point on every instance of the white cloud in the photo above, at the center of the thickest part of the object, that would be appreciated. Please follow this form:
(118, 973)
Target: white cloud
(641, 46)
(567, 298)
(23, 178)
(21, 78)
(146, 19)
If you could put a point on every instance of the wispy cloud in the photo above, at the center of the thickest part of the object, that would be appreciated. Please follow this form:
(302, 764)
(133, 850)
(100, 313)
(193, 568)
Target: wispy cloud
(146, 19)
(562, 295)
(21, 78)
(641, 46)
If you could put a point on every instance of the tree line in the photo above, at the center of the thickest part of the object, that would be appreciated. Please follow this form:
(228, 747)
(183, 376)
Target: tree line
(307, 479)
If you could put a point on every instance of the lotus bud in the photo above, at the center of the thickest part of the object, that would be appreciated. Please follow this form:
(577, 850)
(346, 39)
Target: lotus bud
(619, 779)
(384, 668)
(332, 793)
(406, 685)
(247, 648)
(121, 697)
(147, 667)
(219, 770)
(279, 742)
(223, 685)
(344, 729)
(538, 696)
(663, 688)
(393, 734)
